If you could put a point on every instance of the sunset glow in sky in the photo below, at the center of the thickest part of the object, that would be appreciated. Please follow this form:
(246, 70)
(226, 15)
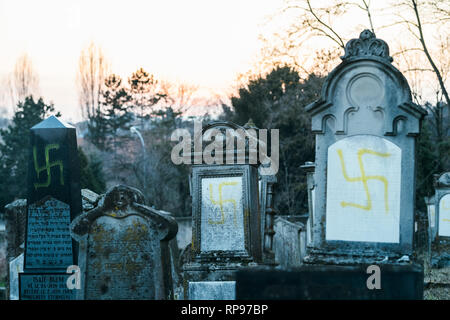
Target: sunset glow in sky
(199, 42)
(202, 42)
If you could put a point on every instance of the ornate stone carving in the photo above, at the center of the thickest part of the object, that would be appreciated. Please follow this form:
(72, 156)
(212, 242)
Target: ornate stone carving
(367, 45)
(443, 180)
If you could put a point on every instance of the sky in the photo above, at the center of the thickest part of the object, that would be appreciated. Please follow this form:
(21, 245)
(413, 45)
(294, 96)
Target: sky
(202, 42)
(199, 42)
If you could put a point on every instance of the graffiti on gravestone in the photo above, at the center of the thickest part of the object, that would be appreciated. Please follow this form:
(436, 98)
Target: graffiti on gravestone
(223, 215)
(53, 200)
(363, 190)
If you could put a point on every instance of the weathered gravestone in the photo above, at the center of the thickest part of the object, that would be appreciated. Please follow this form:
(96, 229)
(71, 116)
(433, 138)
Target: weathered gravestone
(16, 225)
(363, 212)
(124, 248)
(53, 200)
(440, 249)
(365, 125)
(228, 225)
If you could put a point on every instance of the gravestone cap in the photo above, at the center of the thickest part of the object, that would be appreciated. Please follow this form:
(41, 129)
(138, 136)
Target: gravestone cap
(52, 122)
(226, 133)
(443, 180)
(366, 45)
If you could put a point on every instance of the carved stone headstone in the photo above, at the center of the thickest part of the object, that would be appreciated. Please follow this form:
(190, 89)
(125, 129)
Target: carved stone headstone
(365, 125)
(227, 221)
(53, 201)
(440, 248)
(124, 248)
(364, 180)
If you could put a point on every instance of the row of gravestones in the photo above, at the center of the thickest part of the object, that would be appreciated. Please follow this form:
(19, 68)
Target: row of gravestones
(361, 208)
(119, 248)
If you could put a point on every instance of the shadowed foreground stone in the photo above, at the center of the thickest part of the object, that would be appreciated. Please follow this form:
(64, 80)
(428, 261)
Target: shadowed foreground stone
(328, 282)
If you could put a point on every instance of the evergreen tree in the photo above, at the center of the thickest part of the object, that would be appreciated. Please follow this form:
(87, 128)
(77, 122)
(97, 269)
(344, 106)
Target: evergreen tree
(115, 101)
(91, 175)
(143, 89)
(15, 146)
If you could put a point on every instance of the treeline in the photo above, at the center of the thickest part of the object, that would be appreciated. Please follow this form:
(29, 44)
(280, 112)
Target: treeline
(112, 151)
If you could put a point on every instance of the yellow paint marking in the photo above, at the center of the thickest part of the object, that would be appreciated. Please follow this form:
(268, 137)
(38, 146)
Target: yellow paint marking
(363, 178)
(221, 202)
(48, 165)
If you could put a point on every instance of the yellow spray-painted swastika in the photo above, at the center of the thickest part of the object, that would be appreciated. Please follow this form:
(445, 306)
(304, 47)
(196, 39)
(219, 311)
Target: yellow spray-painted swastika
(363, 178)
(48, 165)
(221, 202)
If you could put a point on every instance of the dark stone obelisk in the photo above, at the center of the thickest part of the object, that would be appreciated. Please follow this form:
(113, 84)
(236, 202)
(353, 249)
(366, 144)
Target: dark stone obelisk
(53, 201)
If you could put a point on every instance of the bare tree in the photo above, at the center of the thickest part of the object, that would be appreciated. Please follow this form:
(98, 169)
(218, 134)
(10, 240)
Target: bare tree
(417, 29)
(23, 81)
(92, 71)
(179, 96)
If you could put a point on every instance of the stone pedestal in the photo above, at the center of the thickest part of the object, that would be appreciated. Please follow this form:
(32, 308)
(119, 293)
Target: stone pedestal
(330, 282)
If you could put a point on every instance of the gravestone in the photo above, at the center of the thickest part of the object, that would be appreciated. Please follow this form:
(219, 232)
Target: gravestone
(290, 240)
(431, 213)
(15, 216)
(53, 201)
(230, 230)
(124, 248)
(309, 168)
(212, 290)
(366, 126)
(16, 225)
(15, 267)
(440, 248)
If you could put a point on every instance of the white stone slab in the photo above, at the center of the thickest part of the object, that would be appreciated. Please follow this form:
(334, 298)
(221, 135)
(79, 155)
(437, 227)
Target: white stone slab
(363, 190)
(15, 267)
(222, 217)
(444, 216)
(212, 290)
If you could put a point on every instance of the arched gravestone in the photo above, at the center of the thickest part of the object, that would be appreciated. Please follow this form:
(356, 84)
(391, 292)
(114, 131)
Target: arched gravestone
(365, 125)
(230, 229)
(124, 248)
(442, 205)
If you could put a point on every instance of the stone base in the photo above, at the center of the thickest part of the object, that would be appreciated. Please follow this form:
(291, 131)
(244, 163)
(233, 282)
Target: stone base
(329, 282)
(214, 275)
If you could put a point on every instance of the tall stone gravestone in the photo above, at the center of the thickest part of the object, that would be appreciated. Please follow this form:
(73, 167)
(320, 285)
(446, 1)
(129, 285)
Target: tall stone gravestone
(364, 182)
(227, 222)
(440, 253)
(53, 200)
(365, 125)
(124, 248)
